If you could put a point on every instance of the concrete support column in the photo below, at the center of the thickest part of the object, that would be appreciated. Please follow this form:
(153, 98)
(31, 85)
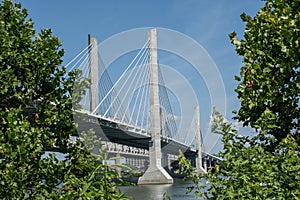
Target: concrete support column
(209, 163)
(205, 164)
(131, 161)
(164, 160)
(169, 162)
(142, 164)
(155, 174)
(118, 162)
(163, 122)
(199, 167)
(94, 73)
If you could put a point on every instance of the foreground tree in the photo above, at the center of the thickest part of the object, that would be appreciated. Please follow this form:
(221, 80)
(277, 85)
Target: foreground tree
(270, 79)
(248, 170)
(267, 165)
(36, 116)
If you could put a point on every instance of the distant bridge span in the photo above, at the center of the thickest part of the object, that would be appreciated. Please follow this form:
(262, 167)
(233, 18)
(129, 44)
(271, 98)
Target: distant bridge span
(109, 130)
(110, 121)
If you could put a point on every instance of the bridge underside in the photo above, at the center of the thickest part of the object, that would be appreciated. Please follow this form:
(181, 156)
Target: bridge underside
(117, 133)
(120, 134)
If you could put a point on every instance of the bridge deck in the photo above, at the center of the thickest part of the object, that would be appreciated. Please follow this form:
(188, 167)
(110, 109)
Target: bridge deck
(126, 135)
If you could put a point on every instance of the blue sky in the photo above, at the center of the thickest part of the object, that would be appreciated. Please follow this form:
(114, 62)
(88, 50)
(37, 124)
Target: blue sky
(206, 21)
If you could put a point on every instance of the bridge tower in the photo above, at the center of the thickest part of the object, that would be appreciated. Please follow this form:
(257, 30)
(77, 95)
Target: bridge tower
(199, 167)
(94, 73)
(155, 174)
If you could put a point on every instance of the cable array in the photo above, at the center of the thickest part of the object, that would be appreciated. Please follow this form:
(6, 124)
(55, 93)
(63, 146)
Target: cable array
(105, 85)
(190, 137)
(82, 62)
(133, 86)
(77, 60)
(140, 96)
(168, 123)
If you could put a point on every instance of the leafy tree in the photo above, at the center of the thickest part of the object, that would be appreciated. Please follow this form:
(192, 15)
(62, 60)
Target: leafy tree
(248, 170)
(267, 165)
(270, 79)
(36, 116)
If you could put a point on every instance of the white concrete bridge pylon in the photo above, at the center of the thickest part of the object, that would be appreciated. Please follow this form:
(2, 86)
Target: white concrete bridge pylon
(94, 72)
(199, 166)
(155, 174)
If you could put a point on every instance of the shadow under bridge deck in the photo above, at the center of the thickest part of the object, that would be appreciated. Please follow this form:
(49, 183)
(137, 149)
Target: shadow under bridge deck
(117, 132)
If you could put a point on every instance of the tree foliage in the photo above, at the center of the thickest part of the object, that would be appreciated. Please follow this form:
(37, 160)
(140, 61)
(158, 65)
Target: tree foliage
(270, 79)
(266, 165)
(248, 170)
(36, 100)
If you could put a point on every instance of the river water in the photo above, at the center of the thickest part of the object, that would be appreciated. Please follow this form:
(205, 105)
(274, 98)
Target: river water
(176, 191)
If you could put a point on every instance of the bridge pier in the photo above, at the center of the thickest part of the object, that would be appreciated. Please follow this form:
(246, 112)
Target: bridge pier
(199, 166)
(165, 162)
(118, 162)
(94, 72)
(155, 174)
(205, 164)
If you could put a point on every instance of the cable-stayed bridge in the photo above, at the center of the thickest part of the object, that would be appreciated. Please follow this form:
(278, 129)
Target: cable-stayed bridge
(134, 114)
